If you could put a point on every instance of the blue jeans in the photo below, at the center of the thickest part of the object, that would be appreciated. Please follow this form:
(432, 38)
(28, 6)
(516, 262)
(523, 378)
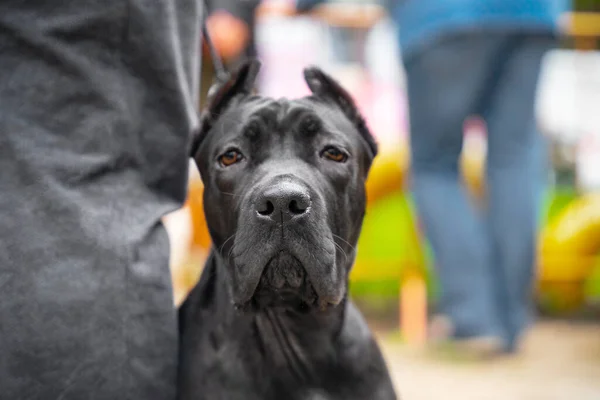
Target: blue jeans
(484, 257)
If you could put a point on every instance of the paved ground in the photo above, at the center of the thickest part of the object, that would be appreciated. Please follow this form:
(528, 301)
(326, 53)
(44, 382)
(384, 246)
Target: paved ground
(560, 361)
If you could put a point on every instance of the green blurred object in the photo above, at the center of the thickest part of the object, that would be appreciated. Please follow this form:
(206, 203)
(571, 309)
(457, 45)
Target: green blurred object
(387, 247)
(592, 285)
(555, 200)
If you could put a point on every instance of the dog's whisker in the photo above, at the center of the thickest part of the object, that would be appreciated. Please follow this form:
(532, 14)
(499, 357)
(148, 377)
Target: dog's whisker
(342, 250)
(344, 240)
(314, 243)
(230, 194)
(229, 253)
(225, 242)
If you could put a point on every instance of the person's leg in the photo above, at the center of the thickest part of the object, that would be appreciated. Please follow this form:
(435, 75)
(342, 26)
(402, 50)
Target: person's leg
(445, 83)
(515, 160)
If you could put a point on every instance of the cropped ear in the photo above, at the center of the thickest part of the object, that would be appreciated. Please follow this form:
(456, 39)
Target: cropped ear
(325, 87)
(220, 95)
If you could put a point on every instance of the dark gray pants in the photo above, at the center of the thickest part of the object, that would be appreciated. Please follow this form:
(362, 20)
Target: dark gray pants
(97, 103)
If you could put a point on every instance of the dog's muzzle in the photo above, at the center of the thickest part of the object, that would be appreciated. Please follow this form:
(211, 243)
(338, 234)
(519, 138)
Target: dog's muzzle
(284, 283)
(284, 255)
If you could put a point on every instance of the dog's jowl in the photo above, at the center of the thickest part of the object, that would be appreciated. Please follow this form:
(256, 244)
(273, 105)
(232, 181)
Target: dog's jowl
(284, 200)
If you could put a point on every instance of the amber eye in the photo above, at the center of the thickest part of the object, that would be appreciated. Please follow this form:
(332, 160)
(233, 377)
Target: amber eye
(230, 157)
(334, 154)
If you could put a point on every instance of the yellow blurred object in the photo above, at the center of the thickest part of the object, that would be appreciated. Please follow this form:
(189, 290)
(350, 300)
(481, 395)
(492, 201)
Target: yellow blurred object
(388, 173)
(472, 165)
(567, 253)
(569, 243)
(581, 24)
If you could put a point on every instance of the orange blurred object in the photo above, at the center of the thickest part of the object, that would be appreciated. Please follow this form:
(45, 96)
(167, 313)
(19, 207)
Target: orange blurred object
(229, 34)
(200, 237)
(349, 15)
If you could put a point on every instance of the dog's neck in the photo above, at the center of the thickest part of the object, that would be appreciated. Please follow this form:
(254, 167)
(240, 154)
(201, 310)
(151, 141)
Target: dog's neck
(298, 342)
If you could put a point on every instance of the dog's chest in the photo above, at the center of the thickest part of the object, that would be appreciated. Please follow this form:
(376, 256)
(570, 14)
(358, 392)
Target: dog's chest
(278, 362)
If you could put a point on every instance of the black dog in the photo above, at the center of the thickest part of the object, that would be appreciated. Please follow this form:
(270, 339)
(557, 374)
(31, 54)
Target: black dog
(284, 200)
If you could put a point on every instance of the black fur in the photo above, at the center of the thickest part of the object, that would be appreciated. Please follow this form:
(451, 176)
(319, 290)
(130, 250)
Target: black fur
(270, 317)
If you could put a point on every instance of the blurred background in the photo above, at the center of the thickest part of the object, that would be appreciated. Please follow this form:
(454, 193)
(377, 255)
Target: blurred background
(393, 280)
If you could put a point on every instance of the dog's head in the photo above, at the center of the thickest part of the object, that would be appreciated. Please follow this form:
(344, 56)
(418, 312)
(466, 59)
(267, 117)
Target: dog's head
(284, 193)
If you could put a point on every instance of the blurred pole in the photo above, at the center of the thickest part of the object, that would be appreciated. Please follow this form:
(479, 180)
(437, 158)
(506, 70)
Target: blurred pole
(413, 309)
(413, 291)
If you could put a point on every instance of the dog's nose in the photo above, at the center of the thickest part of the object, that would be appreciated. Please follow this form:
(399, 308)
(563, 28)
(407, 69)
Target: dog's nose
(283, 201)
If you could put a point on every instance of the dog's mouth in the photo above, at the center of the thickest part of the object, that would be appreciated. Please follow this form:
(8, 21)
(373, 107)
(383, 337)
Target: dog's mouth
(284, 283)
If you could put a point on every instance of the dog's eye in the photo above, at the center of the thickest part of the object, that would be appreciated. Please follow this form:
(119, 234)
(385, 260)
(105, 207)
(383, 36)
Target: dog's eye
(334, 154)
(230, 157)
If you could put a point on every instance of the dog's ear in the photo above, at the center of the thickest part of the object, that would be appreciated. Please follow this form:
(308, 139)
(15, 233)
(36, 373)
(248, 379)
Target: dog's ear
(220, 95)
(325, 87)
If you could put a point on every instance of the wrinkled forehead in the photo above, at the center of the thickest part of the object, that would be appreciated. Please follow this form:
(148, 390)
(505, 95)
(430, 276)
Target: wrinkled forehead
(282, 115)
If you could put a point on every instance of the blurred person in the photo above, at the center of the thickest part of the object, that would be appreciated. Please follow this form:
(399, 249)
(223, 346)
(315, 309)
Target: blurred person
(342, 38)
(481, 58)
(97, 103)
(231, 26)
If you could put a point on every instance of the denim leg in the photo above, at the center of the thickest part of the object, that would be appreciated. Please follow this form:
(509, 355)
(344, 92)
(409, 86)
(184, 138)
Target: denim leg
(445, 84)
(514, 170)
